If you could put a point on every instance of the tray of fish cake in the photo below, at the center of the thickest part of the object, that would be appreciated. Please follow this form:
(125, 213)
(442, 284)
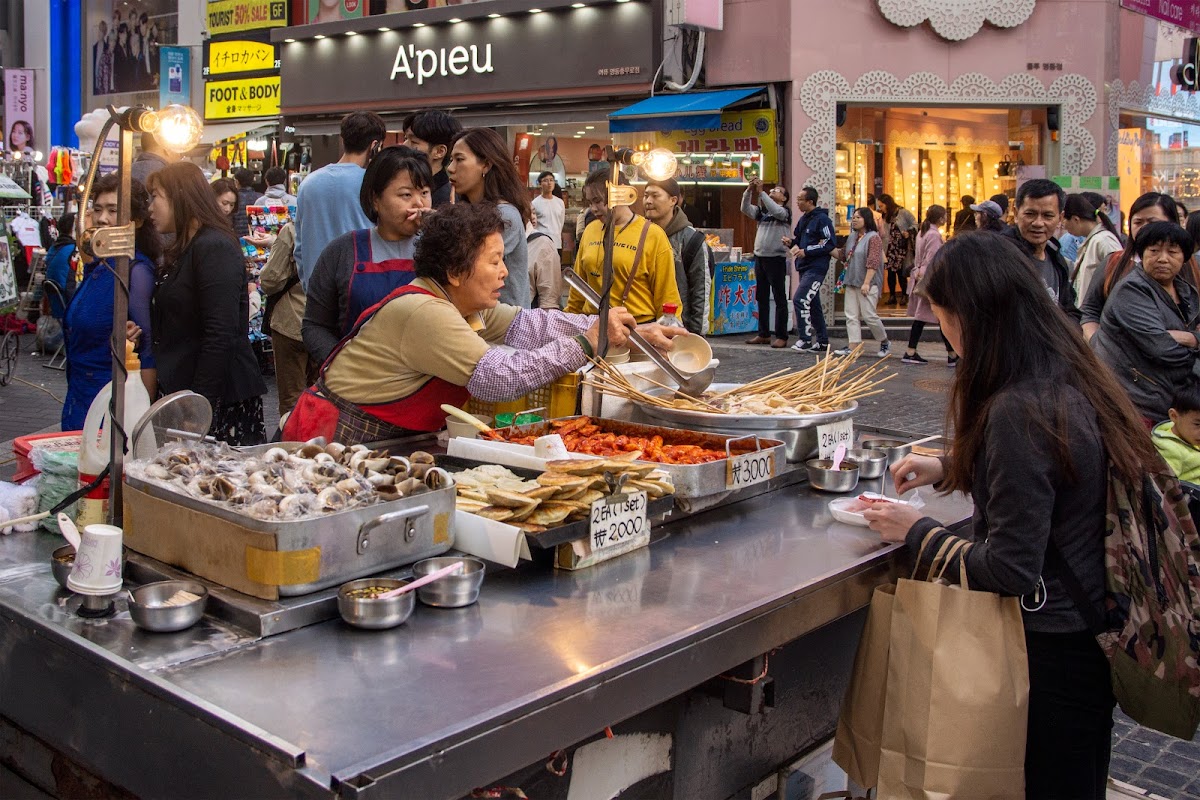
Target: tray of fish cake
(553, 506)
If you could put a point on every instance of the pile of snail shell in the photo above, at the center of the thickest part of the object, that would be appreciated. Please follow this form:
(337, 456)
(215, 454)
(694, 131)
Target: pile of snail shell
(312, 480)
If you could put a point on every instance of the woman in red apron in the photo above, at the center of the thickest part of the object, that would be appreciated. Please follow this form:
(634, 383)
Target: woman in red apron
(440, 340)
(360, 268)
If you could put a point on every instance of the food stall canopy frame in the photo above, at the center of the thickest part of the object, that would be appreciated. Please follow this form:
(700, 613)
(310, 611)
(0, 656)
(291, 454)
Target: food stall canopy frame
(225, 132)
(669, 112)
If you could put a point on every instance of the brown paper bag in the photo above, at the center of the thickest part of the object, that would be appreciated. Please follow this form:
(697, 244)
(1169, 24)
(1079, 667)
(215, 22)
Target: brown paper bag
(957, 698)
(858, 740)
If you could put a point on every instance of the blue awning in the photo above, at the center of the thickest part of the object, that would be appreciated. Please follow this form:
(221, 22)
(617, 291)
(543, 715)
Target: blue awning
(673, 112)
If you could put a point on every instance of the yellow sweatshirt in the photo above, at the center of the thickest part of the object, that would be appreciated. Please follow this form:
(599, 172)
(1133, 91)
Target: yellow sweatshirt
(654, 283)
(1181, 456)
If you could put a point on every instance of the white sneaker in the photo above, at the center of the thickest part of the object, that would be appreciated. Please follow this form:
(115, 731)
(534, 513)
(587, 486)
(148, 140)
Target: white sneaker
(800, 346)
(842, 351)
(884, 349)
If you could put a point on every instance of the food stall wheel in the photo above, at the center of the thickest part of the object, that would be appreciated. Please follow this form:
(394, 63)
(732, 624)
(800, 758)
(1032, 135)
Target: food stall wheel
(10, 346)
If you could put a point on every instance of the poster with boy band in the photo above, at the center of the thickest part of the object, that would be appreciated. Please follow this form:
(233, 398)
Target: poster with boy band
(122, 45)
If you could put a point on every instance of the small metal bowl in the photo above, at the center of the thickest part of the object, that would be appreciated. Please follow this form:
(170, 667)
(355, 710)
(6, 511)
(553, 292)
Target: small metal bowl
(894, 448)
(820, 476)
(148, 612)
(871, 463)
(60, 566)
(375, 615)
(452, 591)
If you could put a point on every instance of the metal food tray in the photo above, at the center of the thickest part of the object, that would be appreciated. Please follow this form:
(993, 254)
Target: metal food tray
(797, 431)
(691, 480)
(353, 543)
(560, 534)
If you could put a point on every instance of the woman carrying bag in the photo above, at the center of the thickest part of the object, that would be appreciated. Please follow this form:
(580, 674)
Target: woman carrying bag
(1038, 424)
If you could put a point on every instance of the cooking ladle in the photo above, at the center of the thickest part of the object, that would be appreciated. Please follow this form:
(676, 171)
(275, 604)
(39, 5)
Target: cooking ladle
(691, 385)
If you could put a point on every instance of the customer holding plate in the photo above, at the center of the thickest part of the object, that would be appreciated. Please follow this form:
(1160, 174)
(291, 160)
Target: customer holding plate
(1039, 422)
(441, 338)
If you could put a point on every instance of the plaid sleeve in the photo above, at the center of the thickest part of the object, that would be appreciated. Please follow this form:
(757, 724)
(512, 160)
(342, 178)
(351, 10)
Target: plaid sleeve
(533, 328)
(507, 374)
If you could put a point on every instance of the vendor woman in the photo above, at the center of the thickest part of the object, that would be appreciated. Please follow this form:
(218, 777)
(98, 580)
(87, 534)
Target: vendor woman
(438, 340)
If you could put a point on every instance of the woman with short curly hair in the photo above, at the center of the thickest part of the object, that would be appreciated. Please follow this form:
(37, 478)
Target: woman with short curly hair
(437, 340)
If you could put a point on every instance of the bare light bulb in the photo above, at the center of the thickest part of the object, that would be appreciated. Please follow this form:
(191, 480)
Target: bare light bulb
(179, 128)
(659, 164)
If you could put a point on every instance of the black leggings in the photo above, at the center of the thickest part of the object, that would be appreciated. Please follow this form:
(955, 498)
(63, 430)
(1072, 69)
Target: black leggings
(914, 336)
(770, 276)
(1070, 717)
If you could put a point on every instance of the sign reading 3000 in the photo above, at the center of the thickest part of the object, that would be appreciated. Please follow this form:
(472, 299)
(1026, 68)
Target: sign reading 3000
(232, 16)
(251, 97)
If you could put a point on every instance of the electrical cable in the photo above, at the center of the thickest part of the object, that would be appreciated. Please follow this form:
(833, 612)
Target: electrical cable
(697, 66)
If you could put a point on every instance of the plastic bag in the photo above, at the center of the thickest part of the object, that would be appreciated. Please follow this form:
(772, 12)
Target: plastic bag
(17, 500)
(49, 334)
(60, 478)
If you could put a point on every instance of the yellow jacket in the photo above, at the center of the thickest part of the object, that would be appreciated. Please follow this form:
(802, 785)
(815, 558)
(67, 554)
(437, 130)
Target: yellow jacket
(1181, 456)
(653, 285)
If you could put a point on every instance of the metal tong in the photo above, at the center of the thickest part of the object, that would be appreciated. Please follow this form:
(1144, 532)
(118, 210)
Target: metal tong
(690, 385)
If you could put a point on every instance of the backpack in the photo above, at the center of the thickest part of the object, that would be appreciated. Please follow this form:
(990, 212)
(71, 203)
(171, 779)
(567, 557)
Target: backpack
(1150, 628)
(698, 240)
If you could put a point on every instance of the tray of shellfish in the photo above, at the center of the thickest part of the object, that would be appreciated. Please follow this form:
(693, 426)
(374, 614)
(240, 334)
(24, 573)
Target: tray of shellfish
(303, 516)
(551, 507)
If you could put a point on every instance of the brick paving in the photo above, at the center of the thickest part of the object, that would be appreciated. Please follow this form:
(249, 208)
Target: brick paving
(914, 404)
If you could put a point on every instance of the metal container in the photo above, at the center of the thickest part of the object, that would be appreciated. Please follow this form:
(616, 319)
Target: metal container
(894, 448)
(452, 591)
(59, 568)
(820, 476)
(148, 612)
(798, 432)
(371, 614)
(690, 480)
(346, 544)
(871, 463)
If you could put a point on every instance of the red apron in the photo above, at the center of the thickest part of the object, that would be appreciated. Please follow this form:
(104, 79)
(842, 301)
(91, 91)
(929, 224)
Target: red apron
(320, 412)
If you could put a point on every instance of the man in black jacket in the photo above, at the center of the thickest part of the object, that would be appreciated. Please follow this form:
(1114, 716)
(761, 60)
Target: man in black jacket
(813, 242)
(1039, 212)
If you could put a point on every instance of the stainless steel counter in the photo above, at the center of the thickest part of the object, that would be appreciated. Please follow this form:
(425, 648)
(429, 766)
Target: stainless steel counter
(452, 699)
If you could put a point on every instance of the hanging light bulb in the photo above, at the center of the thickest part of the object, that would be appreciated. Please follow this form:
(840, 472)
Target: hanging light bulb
(658, 164)
(708, 162)
(178, 128)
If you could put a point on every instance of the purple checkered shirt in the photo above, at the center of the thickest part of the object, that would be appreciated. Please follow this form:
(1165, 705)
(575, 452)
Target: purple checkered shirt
(545, 350)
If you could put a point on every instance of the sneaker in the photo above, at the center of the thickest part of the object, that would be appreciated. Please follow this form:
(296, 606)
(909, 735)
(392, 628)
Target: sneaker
(913, 358)
(952, 361)
(842, 351)
(800, 346)
(884, 349)
(816, 347)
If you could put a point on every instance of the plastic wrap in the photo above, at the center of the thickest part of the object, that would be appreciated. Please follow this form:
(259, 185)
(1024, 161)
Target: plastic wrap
(60, 478)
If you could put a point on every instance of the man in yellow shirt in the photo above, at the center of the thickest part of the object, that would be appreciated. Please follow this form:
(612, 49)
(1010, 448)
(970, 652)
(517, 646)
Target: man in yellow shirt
(641, 283)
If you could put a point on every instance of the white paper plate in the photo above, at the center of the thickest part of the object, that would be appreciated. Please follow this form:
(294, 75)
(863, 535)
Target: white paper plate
(838, 507)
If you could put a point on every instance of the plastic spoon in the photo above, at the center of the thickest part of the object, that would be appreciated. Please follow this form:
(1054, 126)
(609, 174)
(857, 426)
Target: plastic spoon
(69, 531)
(838, 455)
(453, 569)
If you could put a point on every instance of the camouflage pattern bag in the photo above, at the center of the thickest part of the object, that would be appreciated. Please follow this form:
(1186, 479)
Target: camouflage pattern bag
(1150, 630)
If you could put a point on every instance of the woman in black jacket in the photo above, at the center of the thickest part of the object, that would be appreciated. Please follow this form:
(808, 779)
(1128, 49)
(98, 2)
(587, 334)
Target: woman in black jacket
(200, 310)
(1038, 423)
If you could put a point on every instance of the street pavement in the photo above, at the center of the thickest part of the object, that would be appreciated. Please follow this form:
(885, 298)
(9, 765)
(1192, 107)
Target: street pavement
(914, 404)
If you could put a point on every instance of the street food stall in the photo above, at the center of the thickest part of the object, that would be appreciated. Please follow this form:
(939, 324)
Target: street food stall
(697, 657)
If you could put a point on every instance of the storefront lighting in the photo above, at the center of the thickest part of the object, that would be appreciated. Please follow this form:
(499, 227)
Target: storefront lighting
(535, 11)
(289, 41)
(384, 30)
(454, 20)
(493, 16)
(622, 1)
(589, 127)
(352, 33)
(746, 163)
(577, 136)
(319, 36)
(577, 5)
(418, 24)
(257, 144)
(708, 162)
(579, 133)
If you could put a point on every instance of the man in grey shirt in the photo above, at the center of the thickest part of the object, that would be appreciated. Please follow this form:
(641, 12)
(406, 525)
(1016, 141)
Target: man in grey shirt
(1039, 212)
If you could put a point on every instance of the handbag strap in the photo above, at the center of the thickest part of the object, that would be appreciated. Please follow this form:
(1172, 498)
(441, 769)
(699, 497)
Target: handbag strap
(637, 259)
(1070, 581)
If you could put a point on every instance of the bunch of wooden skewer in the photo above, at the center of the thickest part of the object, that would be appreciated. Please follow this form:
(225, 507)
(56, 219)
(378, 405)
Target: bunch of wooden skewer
(828, 385)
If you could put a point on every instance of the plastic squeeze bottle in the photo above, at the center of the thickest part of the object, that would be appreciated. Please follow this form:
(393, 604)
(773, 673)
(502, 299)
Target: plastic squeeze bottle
(94, 451)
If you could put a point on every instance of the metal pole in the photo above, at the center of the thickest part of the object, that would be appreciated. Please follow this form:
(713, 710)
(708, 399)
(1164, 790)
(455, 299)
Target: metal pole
(606, 273)
(117, 434)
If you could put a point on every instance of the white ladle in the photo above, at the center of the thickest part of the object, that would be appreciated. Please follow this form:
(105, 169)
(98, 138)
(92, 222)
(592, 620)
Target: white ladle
(69, 531)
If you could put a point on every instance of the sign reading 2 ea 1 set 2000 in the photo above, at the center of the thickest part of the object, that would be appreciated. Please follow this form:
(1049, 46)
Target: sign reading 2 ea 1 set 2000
(618, 519)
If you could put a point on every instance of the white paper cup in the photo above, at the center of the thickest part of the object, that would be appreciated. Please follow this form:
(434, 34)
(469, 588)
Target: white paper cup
(97, 568)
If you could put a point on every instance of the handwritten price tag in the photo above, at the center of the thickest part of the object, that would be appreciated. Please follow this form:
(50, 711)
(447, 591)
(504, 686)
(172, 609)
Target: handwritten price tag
(831, 435)
(614, 523)
(749, 469)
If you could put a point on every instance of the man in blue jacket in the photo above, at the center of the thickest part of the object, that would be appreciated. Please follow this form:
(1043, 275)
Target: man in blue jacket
(813, 242)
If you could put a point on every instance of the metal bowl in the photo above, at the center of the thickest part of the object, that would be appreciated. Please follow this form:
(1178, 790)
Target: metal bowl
(894, 448)
(452, 591)
(148, 612)
(871, 463)
(820, 476)
(61, 569)
(375, 615)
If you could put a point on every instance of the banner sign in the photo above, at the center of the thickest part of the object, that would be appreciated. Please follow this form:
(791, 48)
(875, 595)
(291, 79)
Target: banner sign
(174, 76)
(1184, 14)
(234, 16)
(248, 97)
(234, 56)
(740, 132)
(19, 110)
(735, 304)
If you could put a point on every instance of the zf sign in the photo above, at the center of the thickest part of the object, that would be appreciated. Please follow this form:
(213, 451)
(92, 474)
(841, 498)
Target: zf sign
(1187, 74)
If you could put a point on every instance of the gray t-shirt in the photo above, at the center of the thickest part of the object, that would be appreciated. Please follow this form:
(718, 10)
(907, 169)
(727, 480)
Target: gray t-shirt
(1050, 276)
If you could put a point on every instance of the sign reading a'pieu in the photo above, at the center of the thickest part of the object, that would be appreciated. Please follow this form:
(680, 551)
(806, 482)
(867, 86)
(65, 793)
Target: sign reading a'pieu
(595, 46)
(1187, 74)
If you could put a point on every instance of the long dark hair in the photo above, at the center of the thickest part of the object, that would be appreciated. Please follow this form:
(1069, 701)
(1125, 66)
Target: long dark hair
(147, 240)
(889, 207)
(868, 219)
(1170, 211)
(934, 215)
(501, 183)
(192, 202)
(1079, 207)
(985, 281)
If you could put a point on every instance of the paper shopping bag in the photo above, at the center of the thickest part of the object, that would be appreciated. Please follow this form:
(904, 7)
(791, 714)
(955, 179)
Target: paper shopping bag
(957, 698)
(858, 740)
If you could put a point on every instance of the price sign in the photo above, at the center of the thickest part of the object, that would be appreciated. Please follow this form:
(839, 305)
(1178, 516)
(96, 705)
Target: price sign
(615, 521)
(749, 469)
(831, 435)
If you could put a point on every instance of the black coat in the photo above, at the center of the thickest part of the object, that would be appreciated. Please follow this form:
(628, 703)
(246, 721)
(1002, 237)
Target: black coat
(200, 318)
(1066, 292)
